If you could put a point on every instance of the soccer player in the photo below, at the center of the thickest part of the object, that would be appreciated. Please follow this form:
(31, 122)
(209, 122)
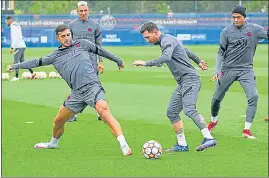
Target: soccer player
(85, 28)
(73, 61)
(17, 44)
(189, 84)
(234, 62)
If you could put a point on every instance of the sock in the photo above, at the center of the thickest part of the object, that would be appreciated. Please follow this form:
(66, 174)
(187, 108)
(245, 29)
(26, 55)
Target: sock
(54, 141)
(97, 114)
(121, 140)
(181, 139)
(206, 133)
(17, 75)
(247, 125)
(214, 119)
(31, 71)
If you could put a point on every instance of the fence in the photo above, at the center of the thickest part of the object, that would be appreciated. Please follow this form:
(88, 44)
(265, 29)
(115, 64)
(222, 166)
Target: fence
(119, 30)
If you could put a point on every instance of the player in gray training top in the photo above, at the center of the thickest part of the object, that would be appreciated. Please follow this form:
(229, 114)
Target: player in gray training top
(73, 61)
(17, 44)
(234, 62)
(189, 84)
(85, 28)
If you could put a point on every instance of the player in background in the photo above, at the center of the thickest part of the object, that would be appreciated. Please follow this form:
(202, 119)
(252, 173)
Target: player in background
(189, 84)
(85, 28)
(234, 62)
(17, 44)
(72, 62)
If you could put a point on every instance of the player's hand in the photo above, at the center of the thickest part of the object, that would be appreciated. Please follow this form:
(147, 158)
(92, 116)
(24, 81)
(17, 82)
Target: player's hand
(139, 63)
(100, 67)
(121, 66)
(215, 77)
(203, 65)
(9, 68)
(11, 50)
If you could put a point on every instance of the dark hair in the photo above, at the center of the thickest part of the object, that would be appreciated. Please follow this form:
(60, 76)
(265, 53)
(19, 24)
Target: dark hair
(61, 28)
(9, 18)
(149, 26)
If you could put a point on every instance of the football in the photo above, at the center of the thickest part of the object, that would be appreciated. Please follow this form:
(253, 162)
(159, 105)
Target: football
(52, 75)
(5, 76)
(152, 149)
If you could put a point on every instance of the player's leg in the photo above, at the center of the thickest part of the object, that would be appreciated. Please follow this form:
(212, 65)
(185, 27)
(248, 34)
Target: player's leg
(247, 79)
(72, 105)
(174, 108)
(190, 90)
(17, 56)
(22, 58)
(223, 84)
(95, 98)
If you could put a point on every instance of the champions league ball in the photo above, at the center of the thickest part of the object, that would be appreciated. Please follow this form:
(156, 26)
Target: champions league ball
(5, 76)
(152, 149)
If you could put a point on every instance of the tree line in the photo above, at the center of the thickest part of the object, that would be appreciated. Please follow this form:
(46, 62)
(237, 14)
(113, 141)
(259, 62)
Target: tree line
(137, 7)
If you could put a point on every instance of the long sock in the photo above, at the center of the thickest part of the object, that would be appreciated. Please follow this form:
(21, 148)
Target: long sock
(247, 125)
(206, 133)
(121, 140)
(181, 139)
(54, 141)
(17, 75)
(214, 119)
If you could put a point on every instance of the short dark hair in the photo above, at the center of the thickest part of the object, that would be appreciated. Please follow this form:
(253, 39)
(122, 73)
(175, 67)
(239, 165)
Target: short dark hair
(9, 18)
(149, 26)
(61, 28)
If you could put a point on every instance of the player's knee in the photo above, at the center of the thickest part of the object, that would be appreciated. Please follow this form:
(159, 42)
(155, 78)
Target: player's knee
(253, 99)
(101, 107)
(190, 111)
(172, 116)
(58, 121)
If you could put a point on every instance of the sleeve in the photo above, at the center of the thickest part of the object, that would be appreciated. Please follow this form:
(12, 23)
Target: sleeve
(98, 38)
(93, 48)
(262, 33)
(47, 60)
(14, 35)
(167, 51)
(192, 56)
(221, 52)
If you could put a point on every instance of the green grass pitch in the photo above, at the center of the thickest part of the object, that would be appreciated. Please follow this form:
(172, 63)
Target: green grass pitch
(138, 98)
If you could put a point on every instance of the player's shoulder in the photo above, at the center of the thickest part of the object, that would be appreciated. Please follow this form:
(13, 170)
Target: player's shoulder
(82, 41)
(254, 25)
(168, 38)
(228, 28)
(73, 21)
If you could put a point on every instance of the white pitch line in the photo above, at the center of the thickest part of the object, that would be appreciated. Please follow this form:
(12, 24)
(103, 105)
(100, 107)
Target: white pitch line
(28, 122)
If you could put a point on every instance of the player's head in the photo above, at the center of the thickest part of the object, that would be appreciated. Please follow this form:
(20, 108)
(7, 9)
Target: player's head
(150, 32)
(83, 10)
(9, 20)
(239, 15)
(63, 35)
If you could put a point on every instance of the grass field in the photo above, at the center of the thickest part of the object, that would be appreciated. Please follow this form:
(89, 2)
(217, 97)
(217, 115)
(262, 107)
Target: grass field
(138, 98)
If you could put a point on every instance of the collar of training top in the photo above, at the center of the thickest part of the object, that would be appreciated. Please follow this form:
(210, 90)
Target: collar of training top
(83, 20)
(63, 48)
(159, 41)
(243, 26)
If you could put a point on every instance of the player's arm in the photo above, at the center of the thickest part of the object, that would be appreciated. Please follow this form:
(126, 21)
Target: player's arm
(262, 33)
(167, 51)
(93, 48)
(201, 63)
(98, 39)
(192, 56)
(14, 36)
(220, 55)
(47, 60)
